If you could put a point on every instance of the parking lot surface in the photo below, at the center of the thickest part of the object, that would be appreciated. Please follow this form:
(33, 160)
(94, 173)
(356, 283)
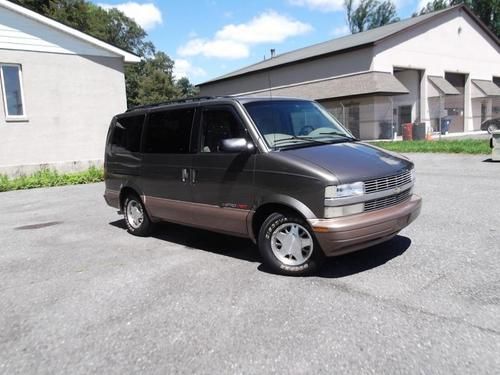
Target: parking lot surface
(78, 294)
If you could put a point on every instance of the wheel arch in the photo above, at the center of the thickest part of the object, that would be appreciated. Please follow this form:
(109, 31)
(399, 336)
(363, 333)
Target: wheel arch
(128, 188)
(277, 203)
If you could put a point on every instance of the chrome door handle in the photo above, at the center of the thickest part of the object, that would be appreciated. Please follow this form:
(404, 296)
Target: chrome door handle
(185, 174)
(193, 176)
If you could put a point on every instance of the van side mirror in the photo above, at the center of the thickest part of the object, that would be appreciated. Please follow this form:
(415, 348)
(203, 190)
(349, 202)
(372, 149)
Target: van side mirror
(235, 145)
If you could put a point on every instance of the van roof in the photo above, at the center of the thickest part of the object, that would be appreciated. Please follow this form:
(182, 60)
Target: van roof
(203, 99)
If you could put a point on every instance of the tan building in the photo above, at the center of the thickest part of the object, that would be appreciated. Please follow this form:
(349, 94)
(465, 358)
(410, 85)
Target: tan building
(60, 89)
(442, 65)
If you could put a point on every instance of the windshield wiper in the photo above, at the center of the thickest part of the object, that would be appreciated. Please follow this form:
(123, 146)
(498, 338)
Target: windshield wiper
(296, 138)
(339, 134)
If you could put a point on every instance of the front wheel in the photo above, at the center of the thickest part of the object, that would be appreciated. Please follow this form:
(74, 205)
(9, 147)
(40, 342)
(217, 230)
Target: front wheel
(288, 246)
(136, 217)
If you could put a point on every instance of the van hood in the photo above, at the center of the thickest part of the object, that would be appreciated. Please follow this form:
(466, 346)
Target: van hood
(353, 161)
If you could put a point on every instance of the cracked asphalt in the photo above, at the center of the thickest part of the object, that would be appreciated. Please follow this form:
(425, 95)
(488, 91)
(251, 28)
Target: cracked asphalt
(79, 295)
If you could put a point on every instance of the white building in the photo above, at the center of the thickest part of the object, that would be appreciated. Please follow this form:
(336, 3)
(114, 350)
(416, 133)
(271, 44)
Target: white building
(444, 64)
(59, 91)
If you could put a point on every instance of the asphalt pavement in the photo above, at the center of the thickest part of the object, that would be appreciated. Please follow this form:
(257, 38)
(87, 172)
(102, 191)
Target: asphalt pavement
(79, 295)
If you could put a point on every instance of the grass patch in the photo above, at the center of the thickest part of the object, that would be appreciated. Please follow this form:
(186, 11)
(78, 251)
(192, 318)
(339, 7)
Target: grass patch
(459, 146)
(50, 177)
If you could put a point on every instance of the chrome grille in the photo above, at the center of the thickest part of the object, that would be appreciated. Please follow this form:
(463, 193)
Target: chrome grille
(391, 200)
(386, 183)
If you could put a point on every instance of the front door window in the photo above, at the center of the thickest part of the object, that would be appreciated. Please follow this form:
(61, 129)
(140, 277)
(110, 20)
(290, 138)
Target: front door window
(219, 124)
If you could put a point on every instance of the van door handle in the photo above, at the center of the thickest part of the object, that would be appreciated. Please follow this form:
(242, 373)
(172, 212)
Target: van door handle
(193, 176)
(185, 174)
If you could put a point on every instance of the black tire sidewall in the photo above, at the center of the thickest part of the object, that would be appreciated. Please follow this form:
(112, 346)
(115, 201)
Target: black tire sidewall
(145, 227)
(264, 241)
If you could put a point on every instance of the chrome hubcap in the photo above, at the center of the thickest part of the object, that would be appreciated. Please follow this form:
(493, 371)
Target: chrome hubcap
(135, 215)
(292, 244)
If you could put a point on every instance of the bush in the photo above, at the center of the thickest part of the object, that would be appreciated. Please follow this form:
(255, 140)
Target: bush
(50, 177)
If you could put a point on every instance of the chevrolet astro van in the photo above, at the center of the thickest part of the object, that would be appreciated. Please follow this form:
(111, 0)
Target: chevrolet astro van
(282, 172)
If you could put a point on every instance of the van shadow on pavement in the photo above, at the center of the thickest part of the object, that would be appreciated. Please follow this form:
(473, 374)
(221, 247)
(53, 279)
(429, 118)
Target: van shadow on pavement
(244, 249)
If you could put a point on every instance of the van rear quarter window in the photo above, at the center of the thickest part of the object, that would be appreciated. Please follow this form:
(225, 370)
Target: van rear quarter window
(168, 132)
(127, 134)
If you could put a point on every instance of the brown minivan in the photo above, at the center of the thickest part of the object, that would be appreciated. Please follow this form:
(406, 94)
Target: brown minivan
(280, 171)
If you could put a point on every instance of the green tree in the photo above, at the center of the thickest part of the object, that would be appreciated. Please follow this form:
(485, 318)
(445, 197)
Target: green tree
(185, 88)
(149, 81)
(154, 81)
(432, 7)
(369, 14)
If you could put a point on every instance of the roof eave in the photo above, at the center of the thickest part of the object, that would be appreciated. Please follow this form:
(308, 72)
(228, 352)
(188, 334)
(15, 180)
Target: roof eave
(128, 57)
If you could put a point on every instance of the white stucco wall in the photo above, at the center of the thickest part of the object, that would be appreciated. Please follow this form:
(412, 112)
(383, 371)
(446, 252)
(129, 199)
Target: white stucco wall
(69, 102)
(437, 47)
(453, 42)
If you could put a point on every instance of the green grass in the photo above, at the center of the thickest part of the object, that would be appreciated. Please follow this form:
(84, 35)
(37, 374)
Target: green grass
(49, 177)
(463, 146)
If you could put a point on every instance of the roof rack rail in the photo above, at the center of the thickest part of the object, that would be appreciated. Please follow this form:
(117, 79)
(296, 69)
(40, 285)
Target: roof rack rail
(175, 101)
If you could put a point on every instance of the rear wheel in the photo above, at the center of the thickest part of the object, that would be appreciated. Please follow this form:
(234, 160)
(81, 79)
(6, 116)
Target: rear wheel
(136, 217)
(288, 246)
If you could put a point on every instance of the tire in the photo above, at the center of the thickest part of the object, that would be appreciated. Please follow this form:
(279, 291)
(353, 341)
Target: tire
(136, 218)
(281, 248)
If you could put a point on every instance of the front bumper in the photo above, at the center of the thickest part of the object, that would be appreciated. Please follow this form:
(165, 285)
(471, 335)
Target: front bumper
(351, 233)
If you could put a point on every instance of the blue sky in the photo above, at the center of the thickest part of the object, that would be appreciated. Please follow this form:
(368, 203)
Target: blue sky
(208, 38)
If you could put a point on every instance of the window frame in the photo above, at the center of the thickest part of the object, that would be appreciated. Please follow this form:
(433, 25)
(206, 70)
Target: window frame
(13, 118)
(147, 128)
(118, 150)
(199, 130)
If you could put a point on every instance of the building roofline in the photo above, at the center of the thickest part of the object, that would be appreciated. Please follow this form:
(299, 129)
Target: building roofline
(128, 57)
(309, 58)
(430, 16)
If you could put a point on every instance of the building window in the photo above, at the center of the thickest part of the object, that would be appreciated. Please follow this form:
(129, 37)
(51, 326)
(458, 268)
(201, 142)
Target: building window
(12, 88)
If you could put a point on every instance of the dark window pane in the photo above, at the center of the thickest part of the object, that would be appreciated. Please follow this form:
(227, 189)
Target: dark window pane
(127, 134)
(12, 87)
(168, 132)
(218, 125)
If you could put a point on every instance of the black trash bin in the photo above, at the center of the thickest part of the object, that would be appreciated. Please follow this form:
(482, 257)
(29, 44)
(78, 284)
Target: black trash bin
(385, 130)
(445, 125)
(419, 131)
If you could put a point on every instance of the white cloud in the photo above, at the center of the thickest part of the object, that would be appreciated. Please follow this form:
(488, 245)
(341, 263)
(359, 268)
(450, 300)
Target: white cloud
(321, 5)
(228, 49)
(340, 31)
(267, 27)
(146, 15)
(233, 41)
(184, 68)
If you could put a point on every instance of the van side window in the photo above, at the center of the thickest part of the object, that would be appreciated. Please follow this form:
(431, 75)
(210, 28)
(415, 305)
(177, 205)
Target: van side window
(168, 132)
(127, 134)
(219, 124)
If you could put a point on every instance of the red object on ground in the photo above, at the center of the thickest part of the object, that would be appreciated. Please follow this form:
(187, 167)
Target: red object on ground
(407, 132)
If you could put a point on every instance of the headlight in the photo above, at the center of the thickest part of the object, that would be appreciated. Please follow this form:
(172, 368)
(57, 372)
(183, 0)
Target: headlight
(413, 175)
(347, 190)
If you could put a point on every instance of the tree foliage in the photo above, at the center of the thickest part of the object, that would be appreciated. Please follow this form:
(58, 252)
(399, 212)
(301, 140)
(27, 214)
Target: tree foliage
(488, 11)
(369, 14)
(432, 7)
(149, 81)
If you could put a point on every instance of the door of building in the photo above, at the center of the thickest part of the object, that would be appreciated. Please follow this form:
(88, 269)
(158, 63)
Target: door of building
(454, 104)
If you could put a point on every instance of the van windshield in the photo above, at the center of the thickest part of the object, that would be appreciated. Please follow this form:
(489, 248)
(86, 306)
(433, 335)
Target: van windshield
(295, 123)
